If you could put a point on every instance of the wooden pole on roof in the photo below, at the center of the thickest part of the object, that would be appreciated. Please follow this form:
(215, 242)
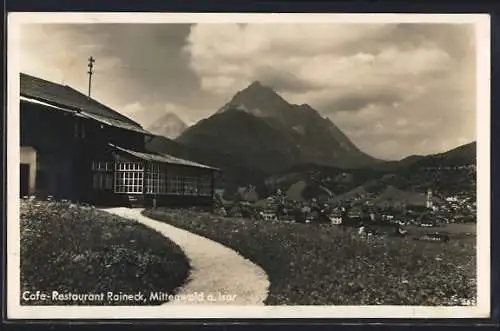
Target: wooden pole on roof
(90, 72)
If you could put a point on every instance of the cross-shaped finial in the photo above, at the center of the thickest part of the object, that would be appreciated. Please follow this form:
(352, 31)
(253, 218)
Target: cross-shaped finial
(90, 72)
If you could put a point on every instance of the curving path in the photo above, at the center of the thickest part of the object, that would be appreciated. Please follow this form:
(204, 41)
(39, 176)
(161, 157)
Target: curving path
(218, 274)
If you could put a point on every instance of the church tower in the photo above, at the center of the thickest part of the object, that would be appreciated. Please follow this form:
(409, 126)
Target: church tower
(428, 201)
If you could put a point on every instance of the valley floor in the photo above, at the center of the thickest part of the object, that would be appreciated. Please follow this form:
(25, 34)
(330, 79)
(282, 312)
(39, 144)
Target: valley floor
(311, 264)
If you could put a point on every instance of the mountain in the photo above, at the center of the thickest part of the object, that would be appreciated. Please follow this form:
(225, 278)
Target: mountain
(450, 172)
(260, 127)
(447, 172)
(462, 155)
(169, 125)
(459, 156)
(259, 139)
(244, 136)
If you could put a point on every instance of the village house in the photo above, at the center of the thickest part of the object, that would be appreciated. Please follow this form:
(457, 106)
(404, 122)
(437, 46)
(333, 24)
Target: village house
(75, 148)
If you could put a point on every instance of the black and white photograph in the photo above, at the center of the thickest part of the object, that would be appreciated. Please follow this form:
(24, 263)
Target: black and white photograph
(248, 165)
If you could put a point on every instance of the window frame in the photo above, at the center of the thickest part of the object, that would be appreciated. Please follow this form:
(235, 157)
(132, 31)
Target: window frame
(205, 186)
(129, 178)
(155, 179)
(102, 175)
(174, 184)
(190, 185)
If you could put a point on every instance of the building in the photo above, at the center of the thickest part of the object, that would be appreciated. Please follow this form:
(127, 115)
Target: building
(75, 148)
(428, 200)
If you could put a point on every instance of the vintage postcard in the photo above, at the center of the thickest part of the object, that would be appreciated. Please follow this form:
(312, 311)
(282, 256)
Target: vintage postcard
(248, 166)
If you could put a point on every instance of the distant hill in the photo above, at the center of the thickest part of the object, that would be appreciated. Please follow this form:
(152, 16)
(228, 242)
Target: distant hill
(260, 127)
(296, 191)
(449, 172)
(393, 196)
(462, 155)
(445, 172)
(317, 178)
(169, 125)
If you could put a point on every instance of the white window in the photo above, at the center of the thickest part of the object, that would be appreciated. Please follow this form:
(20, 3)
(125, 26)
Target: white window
(191, 186)
(205, 186)
(129, 177)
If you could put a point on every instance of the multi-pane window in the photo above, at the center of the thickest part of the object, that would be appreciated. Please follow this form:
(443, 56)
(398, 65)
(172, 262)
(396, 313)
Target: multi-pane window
(174, 184)
(205, 186)
(149, 178)
(155, 179)
(190, 185)
(129, 177)
(102, 166)
(102, 177)
(162, 183)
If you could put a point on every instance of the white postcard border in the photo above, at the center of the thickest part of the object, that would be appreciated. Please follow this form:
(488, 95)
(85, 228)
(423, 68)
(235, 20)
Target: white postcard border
(482, 310)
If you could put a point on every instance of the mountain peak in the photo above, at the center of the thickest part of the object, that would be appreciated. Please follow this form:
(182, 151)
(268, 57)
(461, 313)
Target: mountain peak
(171, 115)
(257, 99)
(168, 125)
(254, 84)
(257, 88)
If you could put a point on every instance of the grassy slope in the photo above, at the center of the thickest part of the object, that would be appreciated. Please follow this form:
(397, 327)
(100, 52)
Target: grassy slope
(328, 265)
(66, 248)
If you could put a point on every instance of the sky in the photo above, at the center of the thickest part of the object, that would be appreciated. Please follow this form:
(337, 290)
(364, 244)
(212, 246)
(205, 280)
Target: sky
(393, 89)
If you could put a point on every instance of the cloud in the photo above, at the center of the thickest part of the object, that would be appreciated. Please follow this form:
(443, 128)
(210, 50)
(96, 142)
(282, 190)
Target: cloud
(415, 81)
(132, 108)
(402, 76)
(311, 54)
(358, 99)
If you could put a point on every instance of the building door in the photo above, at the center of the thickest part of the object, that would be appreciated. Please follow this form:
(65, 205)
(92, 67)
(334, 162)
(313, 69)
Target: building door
(25, 179)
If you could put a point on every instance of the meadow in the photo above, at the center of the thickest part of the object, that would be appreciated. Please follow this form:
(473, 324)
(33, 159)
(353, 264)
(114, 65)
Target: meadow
(323, 264)
(75, 249)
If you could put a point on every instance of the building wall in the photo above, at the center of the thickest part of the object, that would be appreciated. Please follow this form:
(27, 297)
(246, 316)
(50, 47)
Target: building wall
(178, 201)
(164, 197)
(28, 156)
(50, 133)
(55, 175)
(62, 148)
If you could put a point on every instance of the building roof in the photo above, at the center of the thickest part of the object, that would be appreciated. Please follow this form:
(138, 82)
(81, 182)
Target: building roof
(114, 122)
(98, 118)
(162, 158)
(62, 97)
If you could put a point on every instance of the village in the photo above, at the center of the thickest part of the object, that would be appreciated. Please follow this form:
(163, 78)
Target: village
(368, 217)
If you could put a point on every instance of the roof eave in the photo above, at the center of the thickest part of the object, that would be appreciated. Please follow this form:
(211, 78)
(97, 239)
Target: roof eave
(49, 103)
(200, 166)
(197, 166)
(77, 112)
